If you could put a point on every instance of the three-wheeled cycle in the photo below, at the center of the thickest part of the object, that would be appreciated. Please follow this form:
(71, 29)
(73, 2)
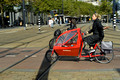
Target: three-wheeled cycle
(70, 43)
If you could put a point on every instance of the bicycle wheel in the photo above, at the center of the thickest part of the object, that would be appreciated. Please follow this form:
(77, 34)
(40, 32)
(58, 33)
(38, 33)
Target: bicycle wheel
(104, 56)
(50, 58)
(51, 43)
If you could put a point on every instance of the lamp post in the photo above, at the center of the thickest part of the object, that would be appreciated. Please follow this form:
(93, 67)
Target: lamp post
(24, 15)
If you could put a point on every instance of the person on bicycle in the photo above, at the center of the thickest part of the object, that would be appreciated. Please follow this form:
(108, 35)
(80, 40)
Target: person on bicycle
(97, 30)
(72, 24)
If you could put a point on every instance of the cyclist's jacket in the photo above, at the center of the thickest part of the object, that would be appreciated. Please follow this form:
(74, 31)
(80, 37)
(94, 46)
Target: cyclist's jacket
(97, 29)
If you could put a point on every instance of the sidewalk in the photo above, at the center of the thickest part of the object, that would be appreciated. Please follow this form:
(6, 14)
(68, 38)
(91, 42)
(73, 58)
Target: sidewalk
(84, 75)
(27, 27)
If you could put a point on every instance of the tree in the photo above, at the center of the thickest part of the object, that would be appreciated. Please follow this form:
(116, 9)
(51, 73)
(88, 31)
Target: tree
(105, 8)
(77, 8)
(47, 5)
(7, 5)
(71, 7)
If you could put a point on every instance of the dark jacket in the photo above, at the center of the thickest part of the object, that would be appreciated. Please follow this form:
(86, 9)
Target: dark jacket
(97, 29)
(72, 26)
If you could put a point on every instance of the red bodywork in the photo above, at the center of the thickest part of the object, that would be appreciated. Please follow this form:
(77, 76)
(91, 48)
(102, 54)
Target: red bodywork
(70, 43)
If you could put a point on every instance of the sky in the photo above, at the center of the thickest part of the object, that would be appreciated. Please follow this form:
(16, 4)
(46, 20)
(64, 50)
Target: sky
(119, 1)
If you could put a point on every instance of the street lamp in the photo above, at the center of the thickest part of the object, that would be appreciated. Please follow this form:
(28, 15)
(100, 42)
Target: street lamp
(24, 15)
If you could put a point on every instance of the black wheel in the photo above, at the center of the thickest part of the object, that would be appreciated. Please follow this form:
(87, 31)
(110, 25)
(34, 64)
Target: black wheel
(105, 56)
(49, 57)
(52, 43)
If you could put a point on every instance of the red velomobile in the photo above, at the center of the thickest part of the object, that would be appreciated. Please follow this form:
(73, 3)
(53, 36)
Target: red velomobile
(70, 43)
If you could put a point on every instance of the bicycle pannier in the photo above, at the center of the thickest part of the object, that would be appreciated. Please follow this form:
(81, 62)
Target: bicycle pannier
(107, 46)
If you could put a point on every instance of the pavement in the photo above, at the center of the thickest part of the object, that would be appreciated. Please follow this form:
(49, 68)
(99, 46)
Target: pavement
(17, 44)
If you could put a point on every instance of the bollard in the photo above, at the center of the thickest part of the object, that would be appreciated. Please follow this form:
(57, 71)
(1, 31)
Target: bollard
(114, 22)
(39, 23)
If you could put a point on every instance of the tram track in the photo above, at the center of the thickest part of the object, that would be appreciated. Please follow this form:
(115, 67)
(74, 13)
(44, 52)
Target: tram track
(19, 46)
(22, 60)
(26, 37)
(23, 43)
(48, 68)
(16, 41)
(31, 55)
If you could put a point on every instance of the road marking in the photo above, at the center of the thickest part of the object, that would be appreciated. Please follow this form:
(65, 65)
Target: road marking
(117, 55)
(11, 32)
(8, 32)
(31, 56)
(43, 31)
(34, 56)
(10, 56)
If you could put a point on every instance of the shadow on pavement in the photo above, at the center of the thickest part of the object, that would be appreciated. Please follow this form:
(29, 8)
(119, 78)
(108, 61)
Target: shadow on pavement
(118, 70)
(44, 66)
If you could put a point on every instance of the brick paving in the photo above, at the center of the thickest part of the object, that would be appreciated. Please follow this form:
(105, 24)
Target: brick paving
(69, 69)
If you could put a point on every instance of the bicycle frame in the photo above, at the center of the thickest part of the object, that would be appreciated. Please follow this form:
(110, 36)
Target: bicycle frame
(76, 49)
(90, 54)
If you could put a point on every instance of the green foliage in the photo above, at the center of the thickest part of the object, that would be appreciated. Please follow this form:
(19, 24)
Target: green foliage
(107, 0)
(105, 8)
(77, 8)
(46, 5)
(7, 5)
(71, 7)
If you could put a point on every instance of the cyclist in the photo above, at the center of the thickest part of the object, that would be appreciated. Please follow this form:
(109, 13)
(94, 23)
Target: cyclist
(97, 30)
(72, 24)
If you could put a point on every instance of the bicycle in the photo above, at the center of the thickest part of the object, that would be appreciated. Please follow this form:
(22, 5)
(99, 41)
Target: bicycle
(70, 43)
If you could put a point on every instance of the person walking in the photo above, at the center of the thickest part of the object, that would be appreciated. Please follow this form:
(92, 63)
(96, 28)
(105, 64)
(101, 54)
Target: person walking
(51, 23)
(97, 30)
(60, 21)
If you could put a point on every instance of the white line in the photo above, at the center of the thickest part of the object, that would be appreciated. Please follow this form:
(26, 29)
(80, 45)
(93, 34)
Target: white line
(117, 55)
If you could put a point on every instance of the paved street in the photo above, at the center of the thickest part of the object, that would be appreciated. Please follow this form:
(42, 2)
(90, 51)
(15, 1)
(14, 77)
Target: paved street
(17, 44)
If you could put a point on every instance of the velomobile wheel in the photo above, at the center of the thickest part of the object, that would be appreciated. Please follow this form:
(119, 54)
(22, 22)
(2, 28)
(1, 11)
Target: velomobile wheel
(49, 57)
(51, 43)
(105, 57)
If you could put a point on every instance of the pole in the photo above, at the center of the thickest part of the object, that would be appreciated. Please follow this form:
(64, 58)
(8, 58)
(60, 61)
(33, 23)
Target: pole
(39, 21)
(24, 15)
(114, 15)
(62, 7)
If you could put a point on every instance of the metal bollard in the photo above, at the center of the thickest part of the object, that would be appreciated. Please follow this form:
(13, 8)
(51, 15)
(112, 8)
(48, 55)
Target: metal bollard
(114, 22)
(39, 21)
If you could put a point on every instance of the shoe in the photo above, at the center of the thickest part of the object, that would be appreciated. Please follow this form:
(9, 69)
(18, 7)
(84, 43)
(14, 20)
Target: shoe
(91, 51)
(92, 59)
